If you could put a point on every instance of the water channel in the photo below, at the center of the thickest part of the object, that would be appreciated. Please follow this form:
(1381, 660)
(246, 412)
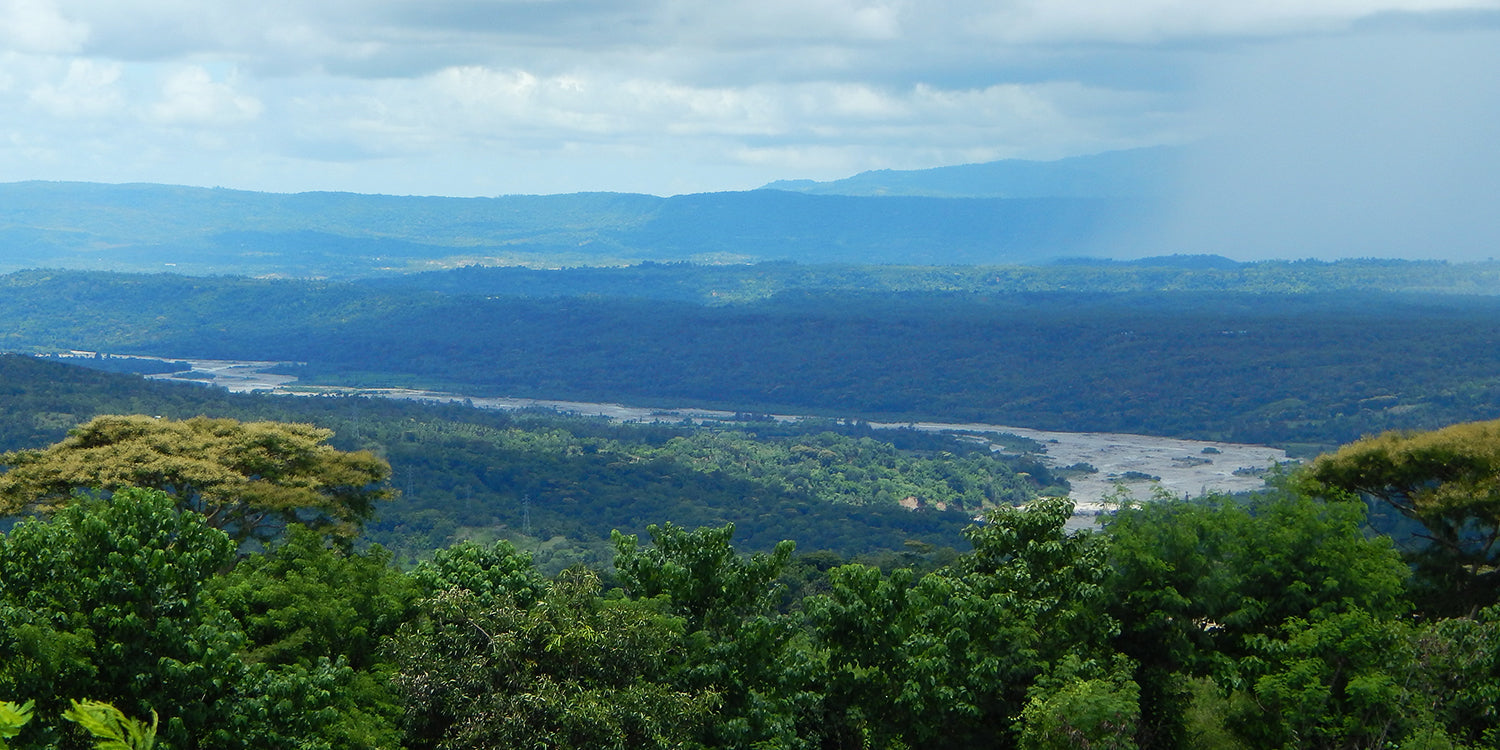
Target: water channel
(1135, 465)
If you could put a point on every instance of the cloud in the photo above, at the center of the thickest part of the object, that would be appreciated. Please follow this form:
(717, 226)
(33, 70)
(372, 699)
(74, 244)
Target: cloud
(701, 41)
(37, 26)
(484, 96)
(88, 90)
(516, 111)
(190, 95)
(1159, 21)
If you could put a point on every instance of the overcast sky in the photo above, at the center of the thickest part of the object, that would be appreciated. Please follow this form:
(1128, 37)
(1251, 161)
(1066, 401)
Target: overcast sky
(1296, 98)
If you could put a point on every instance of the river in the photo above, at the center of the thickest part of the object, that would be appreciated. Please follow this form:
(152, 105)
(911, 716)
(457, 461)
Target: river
(1132, 465)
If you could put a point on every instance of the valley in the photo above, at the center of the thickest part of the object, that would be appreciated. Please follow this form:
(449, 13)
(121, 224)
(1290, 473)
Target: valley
(749, 376)
(1124, 466)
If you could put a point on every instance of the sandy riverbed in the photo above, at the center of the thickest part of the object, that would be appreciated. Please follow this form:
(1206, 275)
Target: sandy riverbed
(1185, 467)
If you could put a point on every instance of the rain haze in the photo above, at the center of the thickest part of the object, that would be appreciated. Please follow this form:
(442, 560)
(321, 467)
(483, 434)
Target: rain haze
(1374, 144)
(1325, 128)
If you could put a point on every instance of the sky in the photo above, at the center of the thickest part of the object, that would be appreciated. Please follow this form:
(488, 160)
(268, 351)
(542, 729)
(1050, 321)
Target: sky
(1284, 101)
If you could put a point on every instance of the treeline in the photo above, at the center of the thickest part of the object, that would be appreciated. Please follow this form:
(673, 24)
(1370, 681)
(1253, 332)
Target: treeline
(1276, 622)
(721, 284)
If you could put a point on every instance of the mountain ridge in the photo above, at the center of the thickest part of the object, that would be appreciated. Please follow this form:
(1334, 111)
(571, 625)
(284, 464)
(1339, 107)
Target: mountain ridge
(1130, 173)
(201, 231)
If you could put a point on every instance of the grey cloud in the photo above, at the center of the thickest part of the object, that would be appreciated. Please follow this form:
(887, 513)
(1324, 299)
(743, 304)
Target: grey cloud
(666, 94)
(1461, 19)
(582, 21)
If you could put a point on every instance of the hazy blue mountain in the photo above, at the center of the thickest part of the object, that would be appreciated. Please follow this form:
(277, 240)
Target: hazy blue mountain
(777, 225)
(141, 227)
(1135, 173)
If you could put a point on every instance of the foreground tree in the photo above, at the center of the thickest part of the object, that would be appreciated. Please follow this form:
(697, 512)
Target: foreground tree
(249, 479)
(740, 648)
(303, 605)
(500, 658)
(1194, 583)
(107, 601)
(953, 658)
(1448, 481)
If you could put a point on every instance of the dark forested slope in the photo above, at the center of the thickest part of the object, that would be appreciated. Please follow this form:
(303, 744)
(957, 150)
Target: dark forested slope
(1284, 368)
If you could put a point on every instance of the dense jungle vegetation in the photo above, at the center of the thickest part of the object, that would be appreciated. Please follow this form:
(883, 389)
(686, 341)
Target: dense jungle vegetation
(1272, 621)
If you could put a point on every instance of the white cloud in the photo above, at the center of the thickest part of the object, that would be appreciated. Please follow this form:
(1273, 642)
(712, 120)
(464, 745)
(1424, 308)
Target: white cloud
(497, 105)
(190, 95)
(88, 90)
(702, 41)
(37, 26)
(655, 95)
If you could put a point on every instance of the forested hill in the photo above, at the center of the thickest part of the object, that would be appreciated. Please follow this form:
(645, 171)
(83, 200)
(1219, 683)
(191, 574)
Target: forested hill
(1264, 368)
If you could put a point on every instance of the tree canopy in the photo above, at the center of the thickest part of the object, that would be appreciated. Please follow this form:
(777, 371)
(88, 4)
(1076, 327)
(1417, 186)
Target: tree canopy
(248, 479)
(1447, 480)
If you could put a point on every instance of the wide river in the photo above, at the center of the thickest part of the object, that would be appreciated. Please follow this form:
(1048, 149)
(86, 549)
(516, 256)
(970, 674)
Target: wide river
(1123, 461)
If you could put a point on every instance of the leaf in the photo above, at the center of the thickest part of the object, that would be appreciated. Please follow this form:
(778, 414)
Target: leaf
(113, 729)
(12, 718)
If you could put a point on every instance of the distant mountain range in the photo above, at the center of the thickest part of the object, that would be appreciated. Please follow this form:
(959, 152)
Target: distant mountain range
(1135, 173)
(999, 213)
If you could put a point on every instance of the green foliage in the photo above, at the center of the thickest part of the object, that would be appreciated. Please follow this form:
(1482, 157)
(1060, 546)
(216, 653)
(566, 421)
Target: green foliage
(464, 473)
(1207, 573)
(13, 716)
(572, 670)
(1272, 622)
(1449, 481)
(582, 479)
(742, 650)
(859, 471)
(700, 575)
(1207, 712)
(320, 615)
(250, 479)
(1072, 710)
(304, 600)
(112, 729)
(1192, 581)
(498, 574)
(107, 600)
(1014, 347)
(951, 657)
(1275, 621)
(107, 591)
(1345, 680)
(1457, 672)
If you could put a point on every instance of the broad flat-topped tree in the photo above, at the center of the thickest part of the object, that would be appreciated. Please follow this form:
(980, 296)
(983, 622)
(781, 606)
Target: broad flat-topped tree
(1448, 480)
(248, 478)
